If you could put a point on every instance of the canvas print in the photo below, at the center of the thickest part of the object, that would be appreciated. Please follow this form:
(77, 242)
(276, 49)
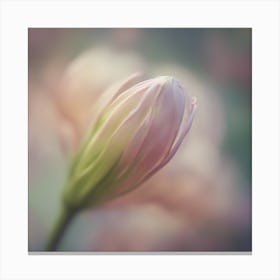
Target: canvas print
(139, 140)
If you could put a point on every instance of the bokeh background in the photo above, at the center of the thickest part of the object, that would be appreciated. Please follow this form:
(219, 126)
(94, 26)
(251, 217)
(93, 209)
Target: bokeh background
(201, 200)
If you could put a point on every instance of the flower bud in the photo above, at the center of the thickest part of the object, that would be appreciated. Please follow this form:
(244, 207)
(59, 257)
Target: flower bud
(138, 130)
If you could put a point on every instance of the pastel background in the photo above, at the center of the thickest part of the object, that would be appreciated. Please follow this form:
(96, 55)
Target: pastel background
(201, 200)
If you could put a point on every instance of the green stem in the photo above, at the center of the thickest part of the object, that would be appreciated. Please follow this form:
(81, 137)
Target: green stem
(58, 231)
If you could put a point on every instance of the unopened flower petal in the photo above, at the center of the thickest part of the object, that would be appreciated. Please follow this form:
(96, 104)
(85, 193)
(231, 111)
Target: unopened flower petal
(139, 129)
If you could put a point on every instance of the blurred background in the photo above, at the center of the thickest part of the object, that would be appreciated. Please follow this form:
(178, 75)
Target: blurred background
(201, 200)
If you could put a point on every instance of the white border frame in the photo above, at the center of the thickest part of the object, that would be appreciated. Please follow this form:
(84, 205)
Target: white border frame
(262, 16)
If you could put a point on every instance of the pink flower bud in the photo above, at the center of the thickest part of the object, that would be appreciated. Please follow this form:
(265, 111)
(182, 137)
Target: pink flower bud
(138, 130)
